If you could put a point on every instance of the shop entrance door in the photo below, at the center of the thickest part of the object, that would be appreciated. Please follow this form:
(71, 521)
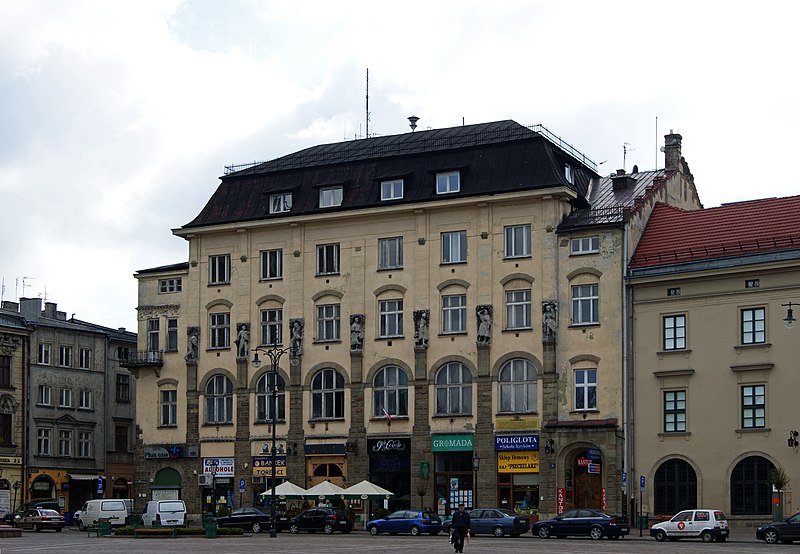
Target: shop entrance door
(588, 490)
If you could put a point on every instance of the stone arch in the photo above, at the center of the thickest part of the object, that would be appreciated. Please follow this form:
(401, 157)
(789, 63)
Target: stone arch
(327, 292)
(452, 283)
(219, 302)
(584, 271)
(510, 278)
(374, 368)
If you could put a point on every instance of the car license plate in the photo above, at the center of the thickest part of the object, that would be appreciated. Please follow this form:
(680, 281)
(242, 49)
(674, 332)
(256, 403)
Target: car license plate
(172, 521)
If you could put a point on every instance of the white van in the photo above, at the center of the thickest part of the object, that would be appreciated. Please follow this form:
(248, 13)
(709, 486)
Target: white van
(113, 509)
(164, 512)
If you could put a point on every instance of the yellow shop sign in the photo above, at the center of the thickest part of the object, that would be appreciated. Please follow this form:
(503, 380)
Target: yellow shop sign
(525, 461)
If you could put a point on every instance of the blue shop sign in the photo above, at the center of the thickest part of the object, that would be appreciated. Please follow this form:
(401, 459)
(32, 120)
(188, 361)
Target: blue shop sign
(594, 455)
(503, 443)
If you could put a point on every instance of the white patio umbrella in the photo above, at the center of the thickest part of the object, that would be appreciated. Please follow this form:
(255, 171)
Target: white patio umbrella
(287, 489)
(365, 488)
(326, 489)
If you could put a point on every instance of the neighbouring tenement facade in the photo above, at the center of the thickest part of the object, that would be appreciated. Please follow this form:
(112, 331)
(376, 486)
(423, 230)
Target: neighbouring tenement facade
(454, 299)
(715, 375)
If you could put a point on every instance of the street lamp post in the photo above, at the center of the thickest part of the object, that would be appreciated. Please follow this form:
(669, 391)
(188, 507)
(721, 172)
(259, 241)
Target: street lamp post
(476, 464)
(214, 468)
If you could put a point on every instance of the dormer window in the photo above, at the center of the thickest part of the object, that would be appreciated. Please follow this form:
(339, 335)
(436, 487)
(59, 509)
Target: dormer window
(392, 190)
(448, 182)
(330, 197)
(280, 203)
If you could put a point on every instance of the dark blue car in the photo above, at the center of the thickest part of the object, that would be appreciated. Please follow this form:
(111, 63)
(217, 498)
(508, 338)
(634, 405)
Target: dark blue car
(406, 521)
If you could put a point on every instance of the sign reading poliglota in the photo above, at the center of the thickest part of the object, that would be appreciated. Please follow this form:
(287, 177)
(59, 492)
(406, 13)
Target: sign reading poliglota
(451, 443)
(224, 466)
(503, 443)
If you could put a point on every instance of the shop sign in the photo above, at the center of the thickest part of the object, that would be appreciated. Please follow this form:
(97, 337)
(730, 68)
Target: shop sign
(517, 424)
(324, 449)
(593, 468)
(10, 460)
(451, 443)
(594, 454)
(584, 462)
(389, 445)
(516, 442)
(155, 453)
(560, 501)
(262, 466)
(224, 466)
(162, 453)
(518, 462)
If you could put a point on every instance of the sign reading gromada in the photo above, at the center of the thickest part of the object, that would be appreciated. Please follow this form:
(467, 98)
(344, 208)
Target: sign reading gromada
(451, 443)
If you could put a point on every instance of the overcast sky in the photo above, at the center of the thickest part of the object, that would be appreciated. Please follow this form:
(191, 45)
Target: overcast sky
(118, 117)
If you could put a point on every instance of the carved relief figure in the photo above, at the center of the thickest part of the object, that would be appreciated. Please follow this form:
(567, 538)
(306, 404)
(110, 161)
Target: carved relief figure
(243, 340)
(421, 318)
(296, 327)
(484, 314)
(357, 332)
(549, 320)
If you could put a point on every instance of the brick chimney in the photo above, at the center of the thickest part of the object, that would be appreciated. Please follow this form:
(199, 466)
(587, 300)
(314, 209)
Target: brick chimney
(50, 310)
(672, 151)
(30, 308)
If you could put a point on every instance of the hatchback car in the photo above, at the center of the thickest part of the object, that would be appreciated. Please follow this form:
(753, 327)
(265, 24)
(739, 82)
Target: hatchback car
(39, 519)
(326, 520)
(495, 521)
(256, 519)
(709, 525)
(583, 523)
(780, 531)
(406, 521)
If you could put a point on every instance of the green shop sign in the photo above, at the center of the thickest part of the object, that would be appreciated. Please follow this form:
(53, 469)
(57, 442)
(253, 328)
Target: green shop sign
(451, 443)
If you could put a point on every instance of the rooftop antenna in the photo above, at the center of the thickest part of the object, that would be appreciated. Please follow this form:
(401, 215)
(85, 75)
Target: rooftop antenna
(412, 121)
(625, 148)
(367, 103)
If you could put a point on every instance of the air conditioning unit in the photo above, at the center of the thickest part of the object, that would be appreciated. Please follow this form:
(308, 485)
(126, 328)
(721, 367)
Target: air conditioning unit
(205, 480)
(258, 479)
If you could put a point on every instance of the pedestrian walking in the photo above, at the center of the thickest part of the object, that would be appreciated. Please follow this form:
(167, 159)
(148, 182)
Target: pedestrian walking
(460, 525)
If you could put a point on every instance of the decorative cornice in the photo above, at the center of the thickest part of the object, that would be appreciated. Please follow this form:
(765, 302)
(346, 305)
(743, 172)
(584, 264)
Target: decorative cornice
(149, 312)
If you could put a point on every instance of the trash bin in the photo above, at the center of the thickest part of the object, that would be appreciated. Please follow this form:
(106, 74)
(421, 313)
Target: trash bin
(135, 520)
(103, 527)
(210, 526)
(643, 519)
(68, 518)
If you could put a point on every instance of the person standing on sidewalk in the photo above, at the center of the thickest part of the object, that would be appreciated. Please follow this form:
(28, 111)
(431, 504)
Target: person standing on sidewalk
(460, 524)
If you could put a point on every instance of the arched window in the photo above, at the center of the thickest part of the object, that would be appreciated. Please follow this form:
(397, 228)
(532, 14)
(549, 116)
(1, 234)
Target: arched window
(454, 390)
(675, 487)
(327, 395)
(264, 406)
(517, 386)
(219, 400)
(390, 392)
(750, 489)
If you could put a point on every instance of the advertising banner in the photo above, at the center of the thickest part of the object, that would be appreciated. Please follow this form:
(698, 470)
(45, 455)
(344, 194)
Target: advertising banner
(224, 466)
(518, 462)
(451, 443)
(516, 442)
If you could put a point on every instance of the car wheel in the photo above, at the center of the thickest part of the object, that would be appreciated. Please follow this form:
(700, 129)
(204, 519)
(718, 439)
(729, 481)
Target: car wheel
(499, 531)
(414, 530)
(81, 528)
(661, 536)
(256, 527)
(328, 529)
(373, 530)
(707, 536)
(544, 532)
(771, 536)
(596, 533)
(294, 529)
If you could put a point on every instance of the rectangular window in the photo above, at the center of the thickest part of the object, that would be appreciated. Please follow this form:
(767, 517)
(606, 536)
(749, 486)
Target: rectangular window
(220, 328)
(6, 434)
(84, 444)
(272, 264)
(172, 334)
(5, 371)
(391, 324)
(675, 411)
(327, 259)
(85, 358)
(280, 203)
(448, 182)
(123, 387)
(753, 326)
(585, 389)
(43, 437)
(153, 343)
(391, 253)
(272, 326)
(219, 269)
(65, 356)
(454, 247)
(754, 407)
(568, 174)
(166, 286)
(585, 304)
(168, 400)
(121, 438)
(392, 190)
(328, 324)
(330, 197)
(584, 245)
(44, 353)
(454, 314)
(64, 443)
(674, 332)
(45, 395)
(65, 398)
(518, 309)
(87, 399)
(518, 241)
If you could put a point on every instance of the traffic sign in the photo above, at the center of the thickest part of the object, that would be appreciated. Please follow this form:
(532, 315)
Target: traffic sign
(241, 485)
(641, 482)
(624, 477)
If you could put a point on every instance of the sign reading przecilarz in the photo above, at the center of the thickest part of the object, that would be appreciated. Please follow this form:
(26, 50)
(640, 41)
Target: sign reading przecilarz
(451, 443)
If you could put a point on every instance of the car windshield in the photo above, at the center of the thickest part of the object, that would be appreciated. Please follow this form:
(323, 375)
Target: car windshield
(720, 516)
(49, 513)
(171, 507)
(507, 512)
(428, 515)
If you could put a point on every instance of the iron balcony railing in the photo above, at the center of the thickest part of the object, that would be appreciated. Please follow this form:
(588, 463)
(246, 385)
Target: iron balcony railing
(143, 358)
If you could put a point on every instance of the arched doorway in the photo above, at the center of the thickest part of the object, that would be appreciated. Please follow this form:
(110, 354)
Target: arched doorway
(674, 487)
(326, 468)
(43, 487)
(584, 479)
(166, 485)
(751, 492)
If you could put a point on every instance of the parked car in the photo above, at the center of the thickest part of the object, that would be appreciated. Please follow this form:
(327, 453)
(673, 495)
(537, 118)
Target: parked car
(164, 512)
(582, 522)
(77, 519)
(256, 519)
(406, 521)
(709, 525)
(115, 510)
(47, 503)
(784, 531)
(497, 522)
(39, 519)
(326, 520)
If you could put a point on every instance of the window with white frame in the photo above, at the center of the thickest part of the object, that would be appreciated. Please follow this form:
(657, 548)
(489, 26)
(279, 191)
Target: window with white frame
(454, 313)
(272, 264)
(86, 399)
(166, 286)
(568, 174)
(172, 334)
(327, 395)
(674, 332)
(280, 203)
(43, 438)
(448, 182)
(219, 269)
(391, 318)
(390, 392)
(518, 241)
(584, 245)
(219, 400)
(390, 253)
(585, 389)
(44, 353)
(585, 299)
(454, 247)
(392, 190)
(65, 398)
(264, 408)
(123, 387)
(84, 444)
(675, 411)
(153, 329)
(64, 443)
(330, 197)
(65, 356)
(168, 408)
(328, 323)
(272, 326)
(517, 379)
(454, 390)
(45, 395)
(753, 326)
(220, 329)
(327, 259)
(518, 309)
(754, 406)
(85, 358)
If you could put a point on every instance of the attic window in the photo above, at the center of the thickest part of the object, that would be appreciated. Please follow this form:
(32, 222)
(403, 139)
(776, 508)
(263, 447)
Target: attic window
(280, 203)
(448, 182)
(568, 174)
(330, 197)
(392, 190)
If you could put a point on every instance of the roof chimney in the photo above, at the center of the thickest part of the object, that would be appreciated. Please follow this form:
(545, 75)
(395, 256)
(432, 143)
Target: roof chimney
(50, 310)
(621, 180)
(30, 308)
(672, 151)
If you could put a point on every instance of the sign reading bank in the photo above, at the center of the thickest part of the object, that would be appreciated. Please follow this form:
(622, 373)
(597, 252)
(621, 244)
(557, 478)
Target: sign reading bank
(451, 443)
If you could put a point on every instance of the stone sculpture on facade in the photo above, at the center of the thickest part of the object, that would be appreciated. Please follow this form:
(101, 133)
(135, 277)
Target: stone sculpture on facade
(243, 340)
(549, 320)
(421, 319)
(484, 314)
(193, 343)
(357, 332)
(297, 328)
